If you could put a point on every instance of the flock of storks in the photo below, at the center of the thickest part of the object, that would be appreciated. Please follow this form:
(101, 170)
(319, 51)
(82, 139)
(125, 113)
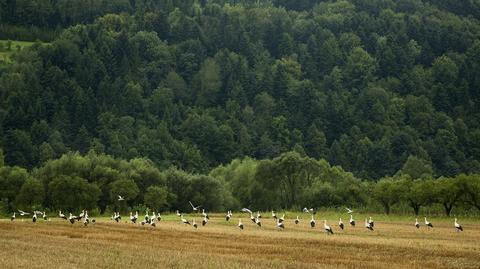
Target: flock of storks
(255, 218)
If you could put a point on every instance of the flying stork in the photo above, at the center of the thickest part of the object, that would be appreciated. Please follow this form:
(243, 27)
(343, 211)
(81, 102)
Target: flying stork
(194, 208)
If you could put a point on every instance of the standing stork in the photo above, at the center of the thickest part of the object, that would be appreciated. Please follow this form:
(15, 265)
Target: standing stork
(417, 224)
(458, 227)
(282, 219)
(34, 218)
(297, 220)
(85, 219)
(159, 218)
(72, 218)
(13, 217)
(240, 224)
(312, 222)
(204, 214)
(61, 215)
(204, 221)
(352, 221)
(147, 217)
(258, 215)
(340, 224)
(280, 225)
(327, 228)
(370, 221)
(258, 222)
(178, 214)
(194, 224)
(367, 225)
(152, 222)
(133, 218)
(44, 216)
(428, 224)
(252, 218)
(274, 216)
(227, 216)
(184, 221)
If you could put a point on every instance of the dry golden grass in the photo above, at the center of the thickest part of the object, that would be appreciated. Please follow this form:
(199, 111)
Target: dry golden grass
(220, 244)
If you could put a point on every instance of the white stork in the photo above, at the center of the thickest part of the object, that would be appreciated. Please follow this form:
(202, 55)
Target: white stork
(327, 228)
(44, 215)
(13, 217)
(133, 219)
(340, 224)
(194, 224)
(282, 219)
(352, 221)
(258, 222)
(280, 225)
(274, 216)
(178, 213)
(417, 224)
(228, 216)
(204, 221)
(240, 224)
(34, 218)
(194, 208)
(23, 213)
(297, 220)
(204, 214)
(72, 218)
(367, 225)
(428, 223)
(370, 221)
(458, 227)
(120, 198)
(312, 222)
(61, 215)
(184, 221)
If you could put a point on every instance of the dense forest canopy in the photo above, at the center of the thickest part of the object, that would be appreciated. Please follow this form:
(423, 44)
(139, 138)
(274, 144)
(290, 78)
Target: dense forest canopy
(364, 85)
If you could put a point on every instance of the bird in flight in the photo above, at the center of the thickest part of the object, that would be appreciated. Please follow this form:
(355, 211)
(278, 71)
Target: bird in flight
(194, 208)
(120, 198)
(23, 213)
(247, 210)
(349, 211)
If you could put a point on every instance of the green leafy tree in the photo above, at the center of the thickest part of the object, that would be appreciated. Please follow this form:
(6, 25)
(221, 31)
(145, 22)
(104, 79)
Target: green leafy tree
(72, 193)
(156, 198)
(448, 193)
(31, 195)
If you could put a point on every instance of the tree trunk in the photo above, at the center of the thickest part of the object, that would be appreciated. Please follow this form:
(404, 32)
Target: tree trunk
(448, 208)
(386, 207)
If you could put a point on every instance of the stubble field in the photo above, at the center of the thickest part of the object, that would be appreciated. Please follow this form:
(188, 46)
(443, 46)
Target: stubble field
(221, 244)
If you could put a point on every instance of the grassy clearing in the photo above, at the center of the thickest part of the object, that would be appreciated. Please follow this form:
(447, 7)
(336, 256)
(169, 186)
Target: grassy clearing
(220, 244)
(5, 53)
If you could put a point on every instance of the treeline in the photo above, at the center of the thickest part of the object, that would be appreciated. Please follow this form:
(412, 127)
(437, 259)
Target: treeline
(196, 84)
(290, 181)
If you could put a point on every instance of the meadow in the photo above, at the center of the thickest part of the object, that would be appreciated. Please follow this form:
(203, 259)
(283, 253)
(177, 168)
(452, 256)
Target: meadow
(5, 54)
(395, 243)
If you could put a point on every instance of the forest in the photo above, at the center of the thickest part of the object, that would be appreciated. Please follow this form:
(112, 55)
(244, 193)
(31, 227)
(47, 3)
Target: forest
(270, 104)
